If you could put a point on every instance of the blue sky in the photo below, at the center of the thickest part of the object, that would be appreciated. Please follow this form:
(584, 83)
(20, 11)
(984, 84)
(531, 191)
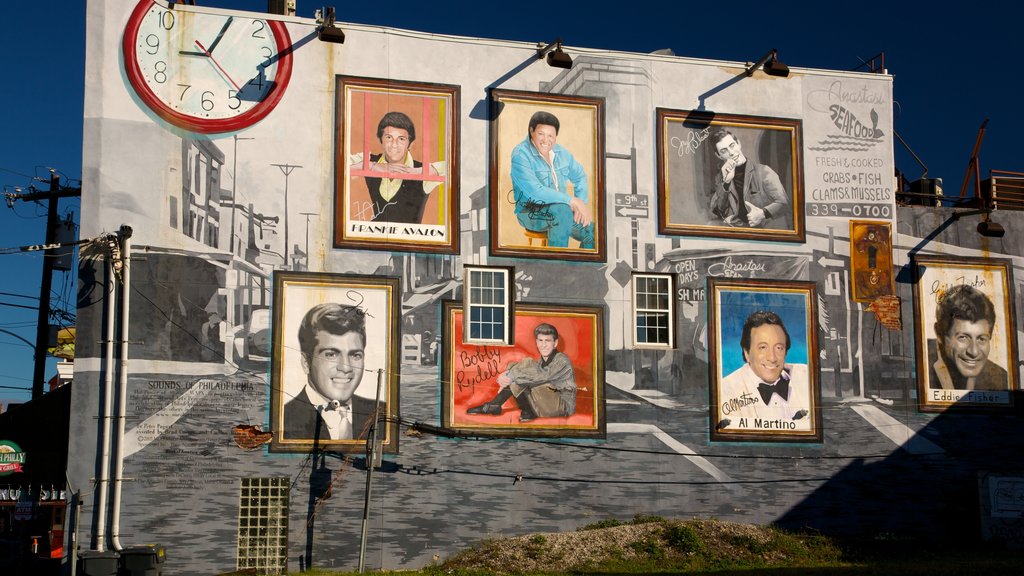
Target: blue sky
(953, 68)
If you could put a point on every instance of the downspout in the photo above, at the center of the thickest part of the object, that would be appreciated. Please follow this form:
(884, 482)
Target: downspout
(122, 389)
(100, 511)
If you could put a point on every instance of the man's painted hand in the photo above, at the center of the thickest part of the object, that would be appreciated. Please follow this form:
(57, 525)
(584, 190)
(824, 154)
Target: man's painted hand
(580, 212)
(755, 215)
(728, 171)
(504, 381)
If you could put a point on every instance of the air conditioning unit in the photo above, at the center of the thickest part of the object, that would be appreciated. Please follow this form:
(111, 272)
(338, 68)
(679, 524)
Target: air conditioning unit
(1004, 191)
(925, 192)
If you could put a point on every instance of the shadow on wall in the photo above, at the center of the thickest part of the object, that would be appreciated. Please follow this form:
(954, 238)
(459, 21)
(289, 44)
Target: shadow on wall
(928, 489)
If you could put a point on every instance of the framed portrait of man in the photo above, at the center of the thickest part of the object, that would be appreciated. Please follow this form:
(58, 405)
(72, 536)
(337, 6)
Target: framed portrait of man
(730, 176)
(966, 333)
(547, 176)
(550, 382)
(396, 165)
(335, 362)
(763, 361)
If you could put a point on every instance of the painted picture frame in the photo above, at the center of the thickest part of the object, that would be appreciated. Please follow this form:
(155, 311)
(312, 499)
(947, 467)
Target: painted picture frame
(396, 165)
(702, 159)
(871, 260)
(327, 384)
(966, 333)
(763, 361)
(530, 216)
(562, 397)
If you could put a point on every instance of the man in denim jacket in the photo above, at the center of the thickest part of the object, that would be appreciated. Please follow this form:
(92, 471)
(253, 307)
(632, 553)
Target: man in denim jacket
(541, 173)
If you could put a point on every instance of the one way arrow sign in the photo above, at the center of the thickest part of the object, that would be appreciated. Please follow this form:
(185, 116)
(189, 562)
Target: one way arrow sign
(631, 212)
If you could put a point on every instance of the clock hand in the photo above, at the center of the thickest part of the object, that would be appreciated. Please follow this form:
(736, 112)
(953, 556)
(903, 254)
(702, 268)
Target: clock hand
(217, 65)
(220, 34)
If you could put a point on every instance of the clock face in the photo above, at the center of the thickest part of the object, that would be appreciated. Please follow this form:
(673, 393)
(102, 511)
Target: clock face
(206, 73)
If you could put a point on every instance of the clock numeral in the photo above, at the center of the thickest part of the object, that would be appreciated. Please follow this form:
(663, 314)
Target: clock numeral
(166, 20)
(257, 80)
(258, 32)
(233, 95)
(160, 71)
(153, 42)
(269, 53)
(205, 100)
(184, 89)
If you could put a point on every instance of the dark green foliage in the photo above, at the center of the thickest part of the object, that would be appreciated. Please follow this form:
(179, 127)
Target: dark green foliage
(682, 538)
(600, 524)
(646, 519)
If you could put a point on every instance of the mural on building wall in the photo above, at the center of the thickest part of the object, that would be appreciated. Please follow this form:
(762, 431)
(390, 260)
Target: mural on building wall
(549, 383)
(396, 165)
(966, 333)
(763, 359)
(547, 176)
(727, 175)
(335, 354)
(871, 260)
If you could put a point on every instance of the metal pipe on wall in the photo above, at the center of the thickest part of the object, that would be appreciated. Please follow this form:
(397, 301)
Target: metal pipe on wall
(122, 390)
(100, 511)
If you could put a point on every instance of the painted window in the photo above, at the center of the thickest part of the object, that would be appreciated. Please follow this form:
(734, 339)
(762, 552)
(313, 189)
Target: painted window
(653, 311)
(263, 525)
(488, 305)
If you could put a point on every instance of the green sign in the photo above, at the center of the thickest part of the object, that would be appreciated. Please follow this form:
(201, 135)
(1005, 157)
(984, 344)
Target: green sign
(11, 458)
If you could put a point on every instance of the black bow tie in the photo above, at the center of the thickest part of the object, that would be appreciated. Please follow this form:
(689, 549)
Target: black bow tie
(335, 405)
(781, 388)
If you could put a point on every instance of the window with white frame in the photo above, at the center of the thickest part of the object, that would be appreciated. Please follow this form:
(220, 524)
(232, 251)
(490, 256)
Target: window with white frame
(263, 525)
(653, 311)
(487, 305)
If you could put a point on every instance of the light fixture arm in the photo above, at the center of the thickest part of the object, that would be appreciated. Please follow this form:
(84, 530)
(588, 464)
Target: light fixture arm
(543, 50)
(966, 213)
(771, 55)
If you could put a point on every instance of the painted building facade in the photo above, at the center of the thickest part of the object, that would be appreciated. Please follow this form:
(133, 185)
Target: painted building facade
(251, 162)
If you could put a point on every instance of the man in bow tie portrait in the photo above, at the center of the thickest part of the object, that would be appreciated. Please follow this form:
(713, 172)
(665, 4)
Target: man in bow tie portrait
(765, 392)
(332, 338)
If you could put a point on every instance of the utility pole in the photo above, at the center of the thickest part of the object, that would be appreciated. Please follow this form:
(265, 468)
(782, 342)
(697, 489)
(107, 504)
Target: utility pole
(307, 215)
(43, 320)
(286, 169)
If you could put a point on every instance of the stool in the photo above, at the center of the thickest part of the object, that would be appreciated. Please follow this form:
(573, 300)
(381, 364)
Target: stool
(541, 237)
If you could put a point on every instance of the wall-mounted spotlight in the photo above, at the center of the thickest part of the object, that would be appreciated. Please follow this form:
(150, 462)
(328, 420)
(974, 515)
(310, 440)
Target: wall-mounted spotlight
(556, 57)
(772, 65)
(327, 31)
(986, 227)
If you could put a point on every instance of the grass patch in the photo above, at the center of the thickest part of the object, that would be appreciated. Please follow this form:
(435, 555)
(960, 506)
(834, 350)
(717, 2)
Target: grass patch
(646, 545)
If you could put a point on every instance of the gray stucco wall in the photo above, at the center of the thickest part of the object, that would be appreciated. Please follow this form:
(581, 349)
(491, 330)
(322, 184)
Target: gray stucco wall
(882, 467)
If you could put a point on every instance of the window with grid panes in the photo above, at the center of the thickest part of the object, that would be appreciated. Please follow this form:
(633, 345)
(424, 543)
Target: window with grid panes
(263, 525)
(487, 306)
(653, 311)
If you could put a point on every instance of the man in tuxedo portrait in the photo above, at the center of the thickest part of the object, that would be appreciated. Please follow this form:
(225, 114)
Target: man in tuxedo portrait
(332, 338)
(765, 389)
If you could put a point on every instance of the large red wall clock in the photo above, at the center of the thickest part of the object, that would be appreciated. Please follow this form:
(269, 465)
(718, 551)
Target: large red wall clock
(206, 72)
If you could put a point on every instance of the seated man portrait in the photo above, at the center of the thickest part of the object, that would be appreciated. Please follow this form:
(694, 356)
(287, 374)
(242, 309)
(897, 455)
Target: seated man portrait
(541, 388)
(542, 170)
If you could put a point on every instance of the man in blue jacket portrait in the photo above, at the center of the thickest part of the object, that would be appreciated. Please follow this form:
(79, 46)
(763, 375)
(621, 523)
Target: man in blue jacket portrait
(542, 171)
